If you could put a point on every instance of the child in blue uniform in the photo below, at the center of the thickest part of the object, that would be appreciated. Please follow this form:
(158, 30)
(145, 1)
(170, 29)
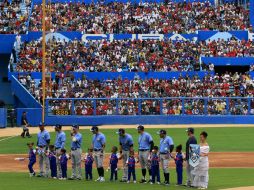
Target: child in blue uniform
(52, 161)
(32, 158)
(113, 163)
(63, 162)
(155, 165)
(179, 164)
(131, 167)
(89, 165)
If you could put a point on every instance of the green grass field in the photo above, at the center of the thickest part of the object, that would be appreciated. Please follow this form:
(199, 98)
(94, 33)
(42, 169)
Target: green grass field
(219, 179)
(220, 139)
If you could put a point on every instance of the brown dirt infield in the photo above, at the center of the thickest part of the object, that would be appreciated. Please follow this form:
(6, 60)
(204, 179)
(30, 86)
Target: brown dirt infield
(217, 160)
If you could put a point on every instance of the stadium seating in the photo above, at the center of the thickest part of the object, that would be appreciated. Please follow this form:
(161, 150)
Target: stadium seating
(141, 18)
(128, 55)
(14, 17)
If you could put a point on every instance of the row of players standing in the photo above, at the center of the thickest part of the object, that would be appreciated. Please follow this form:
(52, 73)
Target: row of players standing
(149, 155)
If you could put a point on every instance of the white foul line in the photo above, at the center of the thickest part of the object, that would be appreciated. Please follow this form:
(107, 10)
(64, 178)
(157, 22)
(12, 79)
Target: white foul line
(8, 138)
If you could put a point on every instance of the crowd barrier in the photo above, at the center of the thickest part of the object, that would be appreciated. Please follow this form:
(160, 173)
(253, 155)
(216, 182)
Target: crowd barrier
(114, 75)
(237, 110)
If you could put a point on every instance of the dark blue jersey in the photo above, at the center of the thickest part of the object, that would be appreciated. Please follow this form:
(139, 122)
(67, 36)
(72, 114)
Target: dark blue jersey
(32, 155)
(155, 160)
(179, 160)
(52, 159)
(131, 162)
(63, 159)
(113, 159)
(89, 160)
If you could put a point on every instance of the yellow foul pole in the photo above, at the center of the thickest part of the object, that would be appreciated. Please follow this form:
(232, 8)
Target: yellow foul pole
(43, 58)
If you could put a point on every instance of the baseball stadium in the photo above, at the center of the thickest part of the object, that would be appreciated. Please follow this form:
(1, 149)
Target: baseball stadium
(126, 94)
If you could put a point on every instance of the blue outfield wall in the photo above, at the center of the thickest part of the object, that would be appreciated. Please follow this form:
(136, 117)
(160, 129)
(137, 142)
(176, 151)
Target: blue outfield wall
(134, 120)
(3, 117)
(34, 115)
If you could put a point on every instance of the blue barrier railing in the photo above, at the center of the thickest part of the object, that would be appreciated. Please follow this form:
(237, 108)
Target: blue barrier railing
(150, 106)
(23, 94)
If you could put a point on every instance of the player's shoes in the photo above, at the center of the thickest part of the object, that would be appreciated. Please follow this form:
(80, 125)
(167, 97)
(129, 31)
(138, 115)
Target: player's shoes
(54, 178)
(99, 179)
(134, 181)
(166, 183)
(151, 183)
(39, 175)
(78, 178)
(128, 182)
(32, 174)
(102, 179)
(158, 183)
(142, 181)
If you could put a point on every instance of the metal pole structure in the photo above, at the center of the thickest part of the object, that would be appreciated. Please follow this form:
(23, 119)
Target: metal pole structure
(43, 58)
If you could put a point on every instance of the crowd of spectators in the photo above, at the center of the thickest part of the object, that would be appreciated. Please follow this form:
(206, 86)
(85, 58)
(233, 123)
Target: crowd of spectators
(128, 55)
(226, 85)
(142, 18)
(14, 16)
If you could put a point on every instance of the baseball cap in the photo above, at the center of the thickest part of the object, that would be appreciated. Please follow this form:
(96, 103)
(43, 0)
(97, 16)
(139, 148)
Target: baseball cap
(41, 124)
(162, 131)
(190, 129)
(94, 128)
(120, 131)
(140, 128)
(58, 126)
(75, 126)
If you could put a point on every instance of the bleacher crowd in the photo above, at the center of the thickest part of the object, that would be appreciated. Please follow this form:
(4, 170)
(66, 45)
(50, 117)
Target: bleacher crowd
(129, 55)
(141, 18)
(226, 85)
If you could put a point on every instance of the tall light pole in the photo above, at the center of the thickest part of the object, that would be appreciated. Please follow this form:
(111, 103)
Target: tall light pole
(43, 58)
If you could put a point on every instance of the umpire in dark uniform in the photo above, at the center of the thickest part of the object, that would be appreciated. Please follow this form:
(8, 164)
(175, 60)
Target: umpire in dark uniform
(25, 124)
(191, 140)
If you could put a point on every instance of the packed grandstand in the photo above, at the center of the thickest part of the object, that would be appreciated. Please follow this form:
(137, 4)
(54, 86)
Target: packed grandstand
(66, 57)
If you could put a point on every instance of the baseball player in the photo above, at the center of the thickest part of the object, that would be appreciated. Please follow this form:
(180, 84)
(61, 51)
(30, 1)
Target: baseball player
(166, 147)
(145, 147)
(59, 144)
(189, 168)
(76, 151)
(98, 146)
(125, 146)
(43, 140)
(25, 125)
(32, 158)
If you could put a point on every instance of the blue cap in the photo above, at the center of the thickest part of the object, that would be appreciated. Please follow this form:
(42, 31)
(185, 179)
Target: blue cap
(120, 131)
(94, 128)
(162, 131)
(58, 126)
(41, 124)
(75, 126)
(140, 128)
